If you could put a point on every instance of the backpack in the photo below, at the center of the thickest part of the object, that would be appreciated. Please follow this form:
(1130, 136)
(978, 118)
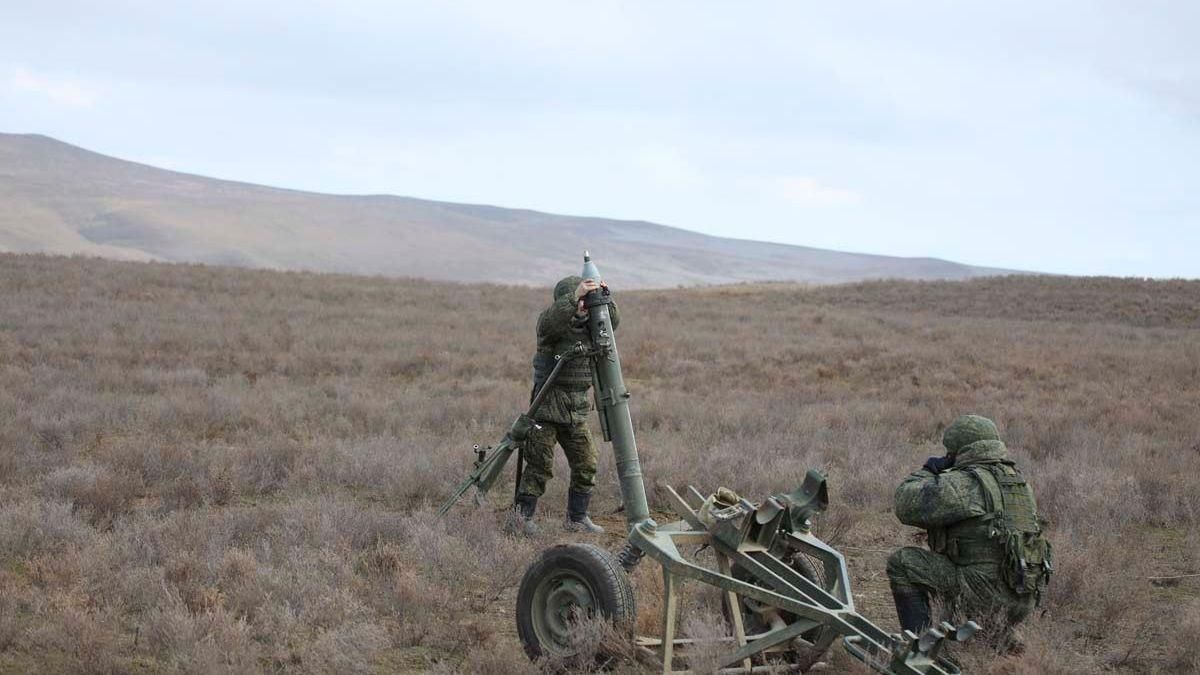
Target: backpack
(1028, 555)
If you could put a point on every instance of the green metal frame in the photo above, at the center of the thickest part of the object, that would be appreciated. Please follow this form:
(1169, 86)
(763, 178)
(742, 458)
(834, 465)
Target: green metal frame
(780, 586)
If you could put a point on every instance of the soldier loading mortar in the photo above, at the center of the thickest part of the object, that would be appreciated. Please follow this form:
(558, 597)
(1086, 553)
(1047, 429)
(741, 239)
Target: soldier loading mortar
(563, 417)
(786, 593)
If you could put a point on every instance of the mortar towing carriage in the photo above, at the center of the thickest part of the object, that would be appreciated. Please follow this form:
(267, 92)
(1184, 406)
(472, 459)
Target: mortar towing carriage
(785, 593)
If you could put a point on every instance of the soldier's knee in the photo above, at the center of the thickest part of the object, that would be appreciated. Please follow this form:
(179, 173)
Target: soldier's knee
(532, 484)
(539, 455)
(895, 562)
(899, 564)
(539, 467)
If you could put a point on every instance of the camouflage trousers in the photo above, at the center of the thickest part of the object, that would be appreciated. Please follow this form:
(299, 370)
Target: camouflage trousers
(576, 442)
(976, 592)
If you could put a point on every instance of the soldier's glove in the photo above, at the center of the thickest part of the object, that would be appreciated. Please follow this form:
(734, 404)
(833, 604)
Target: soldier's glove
(936, 465)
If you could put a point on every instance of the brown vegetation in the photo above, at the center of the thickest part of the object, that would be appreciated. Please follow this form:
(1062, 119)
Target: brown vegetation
(213, 470)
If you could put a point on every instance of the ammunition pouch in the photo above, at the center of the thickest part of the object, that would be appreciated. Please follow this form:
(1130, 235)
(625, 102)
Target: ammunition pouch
(962, 551)
(1047, 570)
(1028, 563)
(968, 542)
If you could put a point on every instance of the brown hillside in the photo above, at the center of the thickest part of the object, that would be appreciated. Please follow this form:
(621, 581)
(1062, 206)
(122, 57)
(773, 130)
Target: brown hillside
(57, 198)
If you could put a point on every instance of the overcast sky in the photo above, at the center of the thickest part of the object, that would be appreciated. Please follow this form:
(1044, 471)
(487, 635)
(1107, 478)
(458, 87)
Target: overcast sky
(1060, 137)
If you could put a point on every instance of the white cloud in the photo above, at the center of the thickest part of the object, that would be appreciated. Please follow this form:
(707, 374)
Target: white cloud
(809, 190)
(66, 92)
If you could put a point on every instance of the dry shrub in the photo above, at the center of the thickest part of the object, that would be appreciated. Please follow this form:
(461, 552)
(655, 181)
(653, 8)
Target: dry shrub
(648, 588)
(75, 641)
(1100, 581)
(211, 641)
(470, 550)
(1043, 653)
(100, 494)
(597, 645)
(266, 468)
(489, 658)
(835, 526)
(10, 626)
(346, 648)
(185, 492)
(1086, 300)
(397, 589)
(39, 527)
(709, 632)
(840, 661)
(398, 468)
(159, 462)
(190, 581)
(1186, 638)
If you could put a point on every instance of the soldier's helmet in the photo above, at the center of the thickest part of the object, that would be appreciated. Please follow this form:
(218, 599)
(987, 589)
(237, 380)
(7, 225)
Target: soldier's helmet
(968, 429)
(566, 286)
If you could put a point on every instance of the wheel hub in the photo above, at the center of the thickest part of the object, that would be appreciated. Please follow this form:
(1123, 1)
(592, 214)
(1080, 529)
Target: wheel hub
(567, 599)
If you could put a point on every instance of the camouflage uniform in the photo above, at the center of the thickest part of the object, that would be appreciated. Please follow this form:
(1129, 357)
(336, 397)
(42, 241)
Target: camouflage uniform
(987, 557)
(563, 414)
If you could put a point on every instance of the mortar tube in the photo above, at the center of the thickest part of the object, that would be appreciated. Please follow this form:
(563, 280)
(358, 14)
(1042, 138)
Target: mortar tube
(612, 400)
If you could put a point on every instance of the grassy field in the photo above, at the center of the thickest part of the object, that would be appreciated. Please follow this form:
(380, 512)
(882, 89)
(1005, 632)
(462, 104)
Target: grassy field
(215, 470)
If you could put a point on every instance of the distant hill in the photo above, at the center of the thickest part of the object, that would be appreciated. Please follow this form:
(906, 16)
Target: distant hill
(58, 198)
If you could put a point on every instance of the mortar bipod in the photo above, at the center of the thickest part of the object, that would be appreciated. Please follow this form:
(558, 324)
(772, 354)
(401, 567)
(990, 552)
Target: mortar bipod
(786, 594)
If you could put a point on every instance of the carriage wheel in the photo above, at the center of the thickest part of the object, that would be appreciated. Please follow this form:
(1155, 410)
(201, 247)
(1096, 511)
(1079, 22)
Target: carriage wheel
(568, 583)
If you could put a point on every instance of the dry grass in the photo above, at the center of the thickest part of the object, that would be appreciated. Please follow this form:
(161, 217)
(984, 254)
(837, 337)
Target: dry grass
(213, 470)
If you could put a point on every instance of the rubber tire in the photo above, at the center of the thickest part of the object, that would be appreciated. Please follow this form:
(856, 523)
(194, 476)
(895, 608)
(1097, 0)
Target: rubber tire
(604, 576)
(802, 661)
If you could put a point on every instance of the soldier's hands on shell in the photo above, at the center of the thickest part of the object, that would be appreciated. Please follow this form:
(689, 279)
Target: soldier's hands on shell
(586, 286)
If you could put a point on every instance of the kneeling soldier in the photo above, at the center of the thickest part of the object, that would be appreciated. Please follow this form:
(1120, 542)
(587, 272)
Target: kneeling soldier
(987, 558)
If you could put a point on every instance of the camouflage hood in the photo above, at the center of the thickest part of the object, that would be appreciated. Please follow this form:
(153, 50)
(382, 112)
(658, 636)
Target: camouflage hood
(981, 452)
(968, 429)
(566, 286)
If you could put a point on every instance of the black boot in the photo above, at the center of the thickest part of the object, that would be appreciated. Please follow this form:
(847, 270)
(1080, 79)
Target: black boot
(912, 606)
(577, 513)
(523, 509)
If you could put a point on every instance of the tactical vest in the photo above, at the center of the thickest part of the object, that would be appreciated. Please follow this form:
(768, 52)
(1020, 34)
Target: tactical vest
(1009, 534)
(576, 375)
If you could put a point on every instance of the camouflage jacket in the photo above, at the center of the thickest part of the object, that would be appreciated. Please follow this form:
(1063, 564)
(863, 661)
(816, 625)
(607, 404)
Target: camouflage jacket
(981, 514)
(954, 507)
(558, 329)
